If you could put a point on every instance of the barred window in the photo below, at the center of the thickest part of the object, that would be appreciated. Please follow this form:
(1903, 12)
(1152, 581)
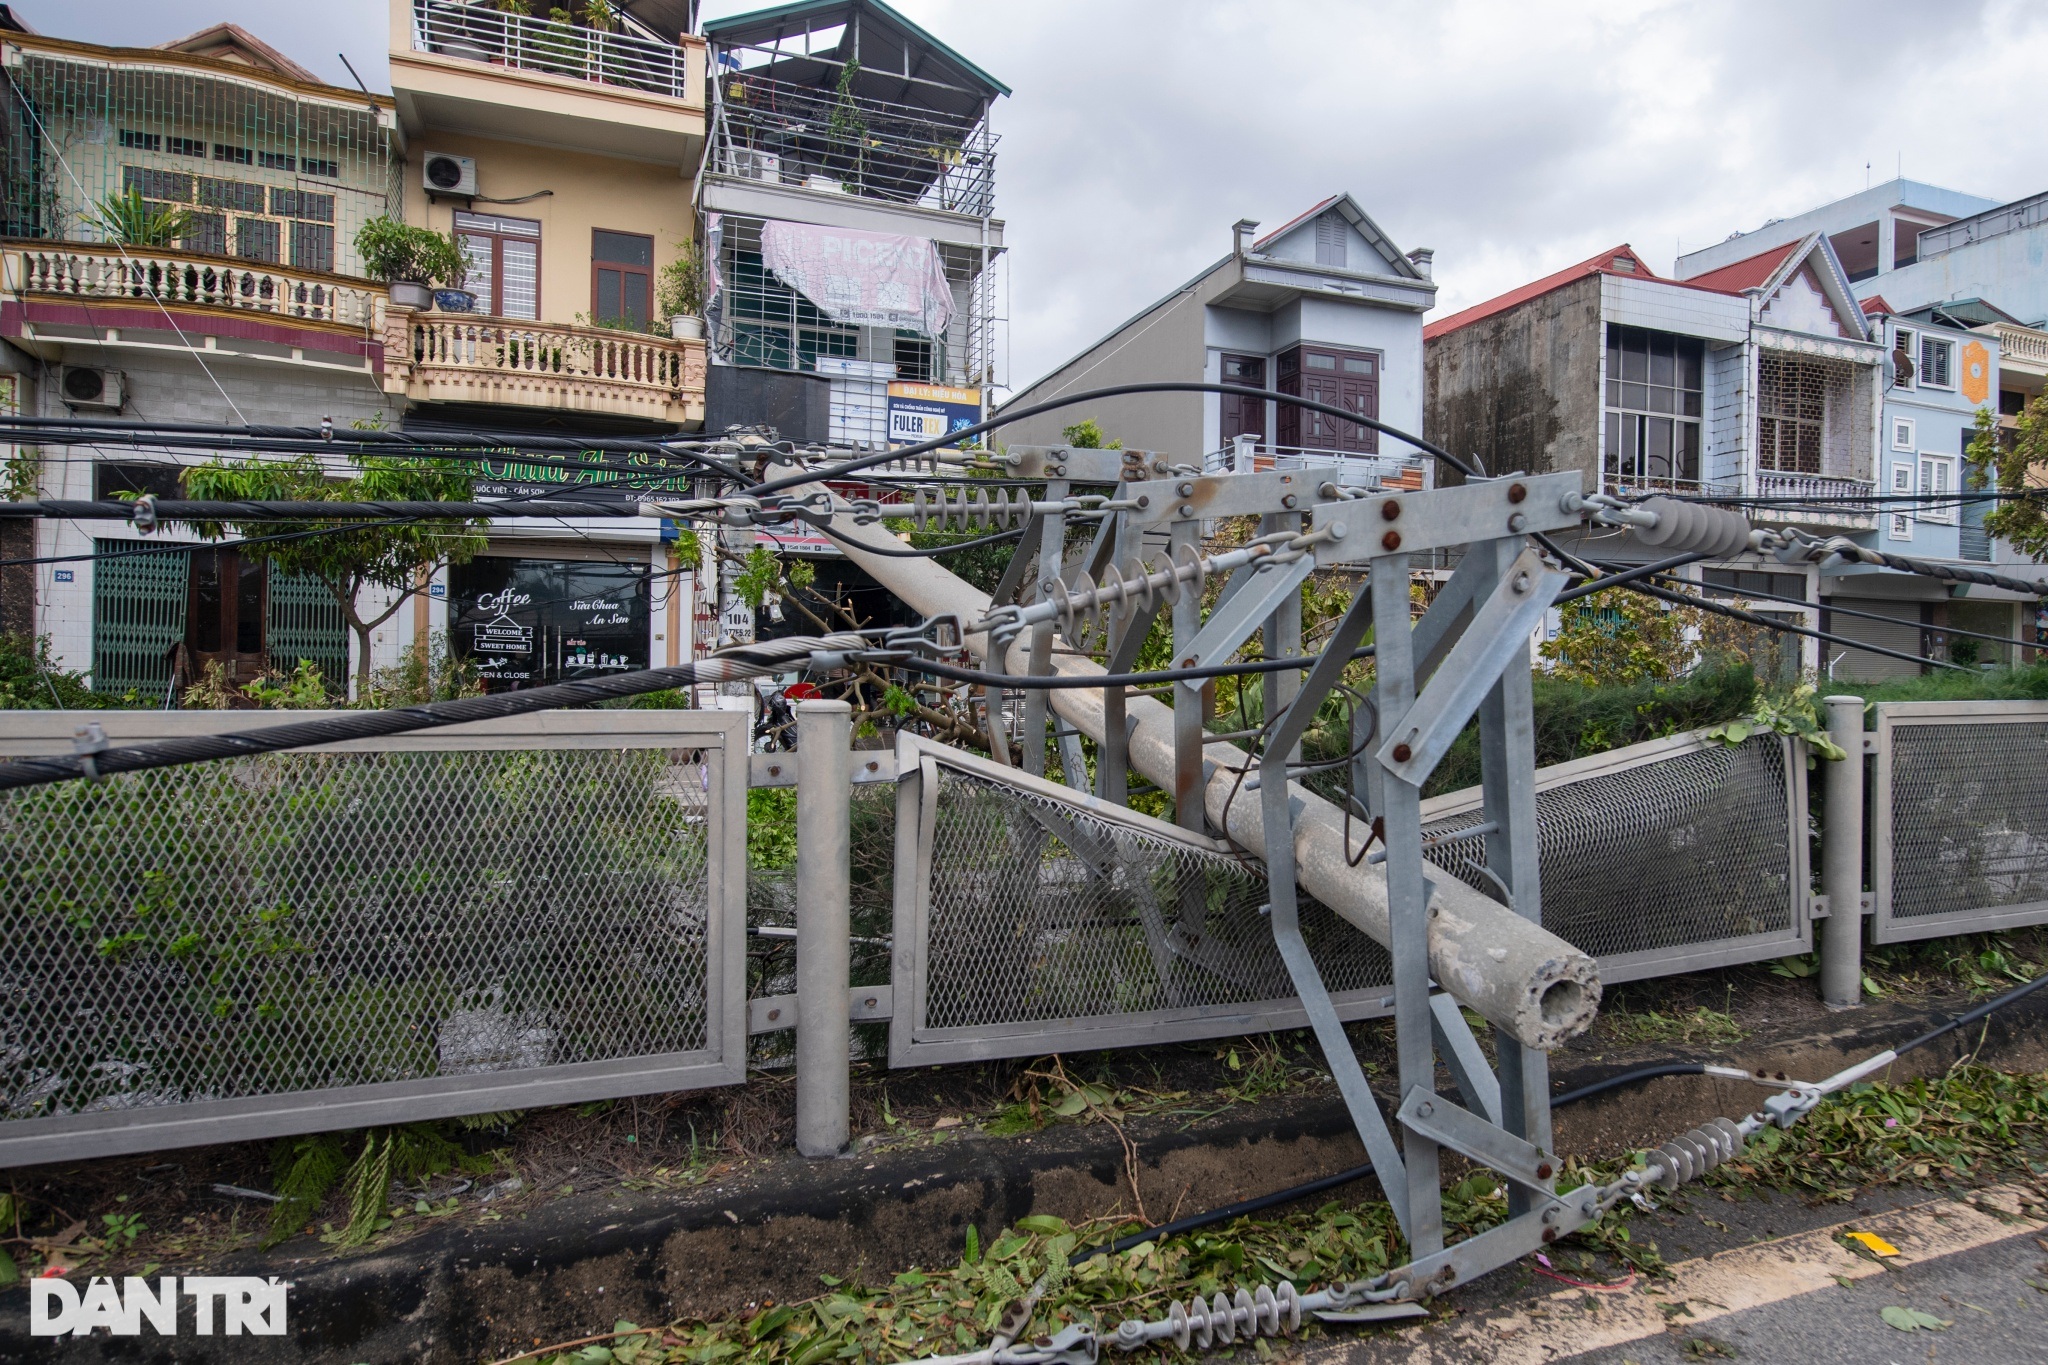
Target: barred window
(154, 184)
(1792, 411)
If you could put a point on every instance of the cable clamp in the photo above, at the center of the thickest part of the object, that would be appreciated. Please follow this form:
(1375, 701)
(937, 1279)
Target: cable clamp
(1788, 1107)
(936, 636)
(143, 513)
(86, 741)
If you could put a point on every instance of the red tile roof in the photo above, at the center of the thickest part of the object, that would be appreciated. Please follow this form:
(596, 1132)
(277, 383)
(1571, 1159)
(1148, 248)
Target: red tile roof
(1745, 274)
(1601, 264)
(1876, 304)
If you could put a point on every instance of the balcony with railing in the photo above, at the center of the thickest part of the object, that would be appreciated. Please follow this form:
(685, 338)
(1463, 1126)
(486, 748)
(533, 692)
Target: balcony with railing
(2024, 349)
(451, 358)
(1814, 500)
(1395, 473)
(107, 295)
(553, 47)
(780, 133)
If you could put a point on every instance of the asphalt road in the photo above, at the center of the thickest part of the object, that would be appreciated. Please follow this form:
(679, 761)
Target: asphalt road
(1763, 1279)
(1998, 1318)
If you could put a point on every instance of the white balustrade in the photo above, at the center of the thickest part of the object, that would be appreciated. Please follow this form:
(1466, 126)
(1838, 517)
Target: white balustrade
(167, 277)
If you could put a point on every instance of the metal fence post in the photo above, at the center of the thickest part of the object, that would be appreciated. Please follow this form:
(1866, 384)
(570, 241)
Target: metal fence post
(824, 736)
(1841, 860)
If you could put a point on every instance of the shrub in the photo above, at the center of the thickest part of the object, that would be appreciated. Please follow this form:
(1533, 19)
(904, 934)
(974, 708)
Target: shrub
(395, 251)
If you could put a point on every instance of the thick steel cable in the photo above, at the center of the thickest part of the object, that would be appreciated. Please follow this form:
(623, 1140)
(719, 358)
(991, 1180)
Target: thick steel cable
(1005, 417)
(739, 664)
(1831, 608)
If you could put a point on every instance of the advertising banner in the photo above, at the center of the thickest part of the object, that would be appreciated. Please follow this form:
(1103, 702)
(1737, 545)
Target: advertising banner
(592, 476)
(925, 412)
(867, 279)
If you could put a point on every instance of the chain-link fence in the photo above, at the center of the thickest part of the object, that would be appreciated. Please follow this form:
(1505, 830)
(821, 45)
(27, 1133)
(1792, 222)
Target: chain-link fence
(1958, 818)
(533, 911)
(1041, 920)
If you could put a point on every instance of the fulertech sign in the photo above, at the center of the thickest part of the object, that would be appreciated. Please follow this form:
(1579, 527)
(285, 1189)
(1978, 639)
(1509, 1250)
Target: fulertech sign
(230, 1305)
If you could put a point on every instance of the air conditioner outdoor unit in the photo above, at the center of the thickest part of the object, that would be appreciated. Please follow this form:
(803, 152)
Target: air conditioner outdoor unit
(443, 173)
(84, 387)
(755, 165)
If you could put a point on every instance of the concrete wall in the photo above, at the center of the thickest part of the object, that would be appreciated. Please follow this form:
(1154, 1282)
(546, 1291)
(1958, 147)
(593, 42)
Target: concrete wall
(1164, 343)
(589, 191)
(1521, 389)
(2010, 272)
(1871, 205)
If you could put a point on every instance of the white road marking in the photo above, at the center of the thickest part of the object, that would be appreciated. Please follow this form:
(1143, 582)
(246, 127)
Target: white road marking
(1573, 1321)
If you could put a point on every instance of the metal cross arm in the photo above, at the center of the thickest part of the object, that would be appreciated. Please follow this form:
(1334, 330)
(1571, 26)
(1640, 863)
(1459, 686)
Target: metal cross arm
(1237, 620)
(1417, 741)
(1478, 1139)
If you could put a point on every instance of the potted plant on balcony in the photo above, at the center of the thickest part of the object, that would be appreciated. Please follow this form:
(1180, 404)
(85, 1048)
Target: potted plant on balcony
(133, 221)
(411, 260)
(680, 293)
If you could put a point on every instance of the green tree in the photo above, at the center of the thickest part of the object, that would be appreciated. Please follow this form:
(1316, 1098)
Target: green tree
(348, 557)
(2013, 466)
(1086, 434)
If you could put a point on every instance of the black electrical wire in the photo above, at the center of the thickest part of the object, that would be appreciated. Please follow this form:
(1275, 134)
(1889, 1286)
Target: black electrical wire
(1004, 418)
(1262, 1202)
(1834, 610)
(450, 444)
(183, 547)
(1982, 1011)
(36, 771)
(1736, 613)
(283, 510)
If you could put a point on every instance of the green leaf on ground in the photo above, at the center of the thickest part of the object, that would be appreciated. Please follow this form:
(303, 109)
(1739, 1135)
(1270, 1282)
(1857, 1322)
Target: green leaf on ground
(1912, 1320)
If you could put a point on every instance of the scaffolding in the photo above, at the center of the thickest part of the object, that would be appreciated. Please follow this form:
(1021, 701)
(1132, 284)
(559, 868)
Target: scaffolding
(236, 167)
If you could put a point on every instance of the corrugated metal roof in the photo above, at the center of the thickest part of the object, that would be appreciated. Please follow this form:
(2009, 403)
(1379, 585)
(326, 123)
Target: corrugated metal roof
(1599, 264)
(1748, 273)
(737, 26)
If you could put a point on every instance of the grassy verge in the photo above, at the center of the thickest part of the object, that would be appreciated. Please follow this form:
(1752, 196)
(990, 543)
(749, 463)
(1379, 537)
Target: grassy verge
(1967, 1126)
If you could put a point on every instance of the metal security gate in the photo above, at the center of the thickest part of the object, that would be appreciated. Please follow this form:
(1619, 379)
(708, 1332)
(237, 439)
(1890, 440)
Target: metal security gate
(138, 615)
(540, 910)
(306, 623)
(1959, 818)
(1669, 856)
(1031, 918)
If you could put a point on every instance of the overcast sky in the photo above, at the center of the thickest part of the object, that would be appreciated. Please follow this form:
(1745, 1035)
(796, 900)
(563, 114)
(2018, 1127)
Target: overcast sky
(1513, 137)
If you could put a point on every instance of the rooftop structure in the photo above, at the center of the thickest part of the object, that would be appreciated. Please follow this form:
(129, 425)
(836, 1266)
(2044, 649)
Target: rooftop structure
(834, 119)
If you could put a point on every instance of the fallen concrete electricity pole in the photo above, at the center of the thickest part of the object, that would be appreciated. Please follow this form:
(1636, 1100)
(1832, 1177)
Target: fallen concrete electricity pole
(1515, 974)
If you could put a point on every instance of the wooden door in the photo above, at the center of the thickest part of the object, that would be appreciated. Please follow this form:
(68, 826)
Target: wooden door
(1344, 379)
(1244, 414)
(225, 615)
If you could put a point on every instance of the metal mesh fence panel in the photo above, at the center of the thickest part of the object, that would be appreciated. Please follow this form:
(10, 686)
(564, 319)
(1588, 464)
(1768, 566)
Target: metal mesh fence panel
(1960, 818)
(312, 922)
(242, 166)
(1044, 919)
(1658, 861)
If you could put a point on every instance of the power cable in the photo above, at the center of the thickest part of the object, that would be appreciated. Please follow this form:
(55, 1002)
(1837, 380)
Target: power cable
(1831, 608)
(1004, 418)
(1246, 1207)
